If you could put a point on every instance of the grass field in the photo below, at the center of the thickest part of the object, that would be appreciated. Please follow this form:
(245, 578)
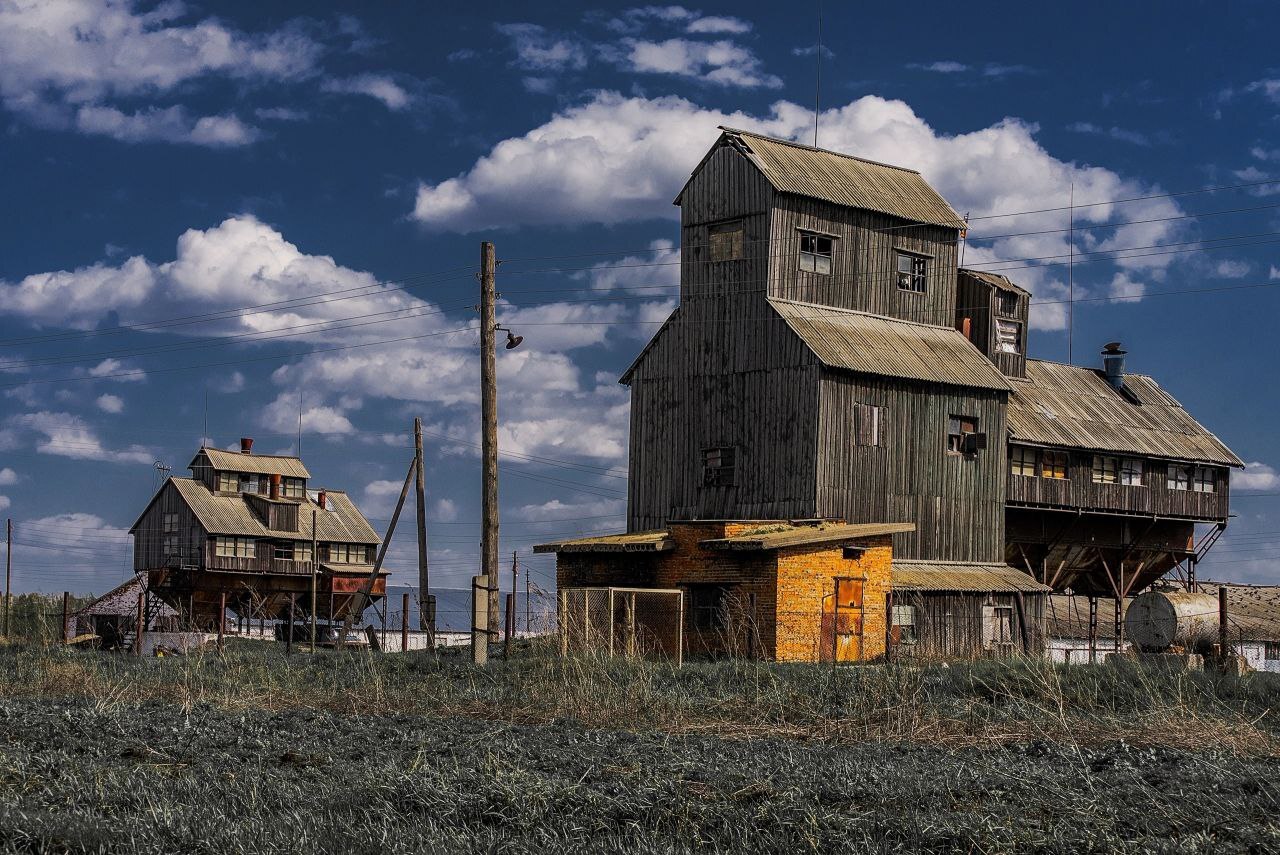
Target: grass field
(351, 753)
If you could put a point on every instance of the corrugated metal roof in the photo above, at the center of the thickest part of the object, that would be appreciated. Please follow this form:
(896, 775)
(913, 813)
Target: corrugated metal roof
(873, 344)
(782, 535)
(962, 576)
(846, 180)
(122, 600)
(341, 522)
(262, 464)
(351, 569)
(1074, 407)
(641, 541)
(1002, 282)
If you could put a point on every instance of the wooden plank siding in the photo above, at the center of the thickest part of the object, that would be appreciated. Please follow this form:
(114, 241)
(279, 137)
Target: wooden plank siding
(956, 501)
(978, 302)
(949, 625)
(148, 541)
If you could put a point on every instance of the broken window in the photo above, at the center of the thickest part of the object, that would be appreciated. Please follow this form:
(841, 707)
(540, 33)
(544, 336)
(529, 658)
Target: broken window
(903, 630)
(1106, 470)
(912, 272)
(1008, 336)
(963, 436)
(816, 252)
(708, 606)
(282, 550)
(1204, 481)
(248, 483)
(1022, 460)
(1007, 303)
(170, 544)
(1053, 464)
(726, 241)
(866, 424)
(718, 466)
(1180, 476)
(1131, 472)
(997, 626)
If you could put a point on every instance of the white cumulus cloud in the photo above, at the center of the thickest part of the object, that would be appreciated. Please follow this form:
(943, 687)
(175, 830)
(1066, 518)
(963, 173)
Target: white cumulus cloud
(380, 87)
(67, 435)
(110, 403)
(1256, 476)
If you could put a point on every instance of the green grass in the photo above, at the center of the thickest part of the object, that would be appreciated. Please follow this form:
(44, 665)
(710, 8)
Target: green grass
(357, 753)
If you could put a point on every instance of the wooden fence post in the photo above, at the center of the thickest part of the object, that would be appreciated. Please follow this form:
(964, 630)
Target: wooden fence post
(142, 619)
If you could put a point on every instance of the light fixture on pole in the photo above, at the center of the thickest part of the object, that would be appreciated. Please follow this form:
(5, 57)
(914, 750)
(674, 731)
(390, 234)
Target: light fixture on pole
(513, 340)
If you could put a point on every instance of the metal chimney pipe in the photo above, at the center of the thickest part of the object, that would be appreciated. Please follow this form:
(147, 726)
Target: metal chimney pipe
(322, 499)
(246, 445)
(1113, 364)
(275, 486)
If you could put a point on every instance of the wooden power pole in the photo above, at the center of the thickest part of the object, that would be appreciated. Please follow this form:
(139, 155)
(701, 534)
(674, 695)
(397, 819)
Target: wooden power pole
(489, 432)
(424, 588)
(315, 574)
(8, 573)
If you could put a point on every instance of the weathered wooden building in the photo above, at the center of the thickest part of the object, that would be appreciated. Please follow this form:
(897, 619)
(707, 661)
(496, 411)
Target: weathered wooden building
(829, 359)
(241, 526)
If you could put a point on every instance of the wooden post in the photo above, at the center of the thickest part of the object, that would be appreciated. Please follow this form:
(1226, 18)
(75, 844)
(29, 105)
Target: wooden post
(680, 632)
(511, 626)
(1093, 630)
(528, 615)
(142, 616)
(609, 599)
(430, 607)
(356, 606)
(315, 575)
(1224, 642)
(8, 574)
(420, 494)
(288, 631)
(479, 620)
(404, 622)
(66, 614)
(562, 622)
(489, 429)
(222, 620)
(888, 624)
(629, 639)
(1023, 631)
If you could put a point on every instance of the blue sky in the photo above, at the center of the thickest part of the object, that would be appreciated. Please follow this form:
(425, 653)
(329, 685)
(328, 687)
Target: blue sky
(291, 202)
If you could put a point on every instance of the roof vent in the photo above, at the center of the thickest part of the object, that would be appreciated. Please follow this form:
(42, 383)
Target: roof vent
(1113, 364)
(322, 499)
(246, 445)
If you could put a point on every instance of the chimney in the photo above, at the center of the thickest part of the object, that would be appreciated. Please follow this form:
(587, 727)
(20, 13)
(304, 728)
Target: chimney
(322, 499)
(246, 445)
(275, 486)
(1113, 364)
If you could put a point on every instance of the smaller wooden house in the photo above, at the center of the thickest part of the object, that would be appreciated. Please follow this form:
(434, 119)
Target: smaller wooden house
(113, 617)
(812, 591)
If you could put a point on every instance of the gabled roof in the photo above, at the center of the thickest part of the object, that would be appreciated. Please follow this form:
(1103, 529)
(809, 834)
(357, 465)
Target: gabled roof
(962, 576)
(782, 535)
(340, 522)
(1074, 407)
(262, 464)
(873, 344)
(641, 541)
(843, 179)
(1004, 283)
(122, 600)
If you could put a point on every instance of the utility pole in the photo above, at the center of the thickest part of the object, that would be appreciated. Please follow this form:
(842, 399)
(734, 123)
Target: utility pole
(8, 573)
(489, 431)
(315, 566)
(424, 588)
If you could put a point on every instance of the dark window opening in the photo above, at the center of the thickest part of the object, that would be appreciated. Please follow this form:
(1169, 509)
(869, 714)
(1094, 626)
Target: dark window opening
(1272, 651)
(1053, 464)
(1204, 482)
(816, 253)
(912, 272)
(1180, 476)
(718, 466)
(1008, 303)
(866, 424)
(963, 436)
(726, 241)
(708, 606)
(283, 550)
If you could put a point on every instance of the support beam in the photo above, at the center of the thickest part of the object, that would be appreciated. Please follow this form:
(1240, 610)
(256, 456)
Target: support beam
(420, 495)
(356, 605)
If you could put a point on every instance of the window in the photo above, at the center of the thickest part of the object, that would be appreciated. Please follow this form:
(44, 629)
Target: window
(708, 605)
(248, 482)
(1007, 303)
(293, 488)
(912, 272)
(959, 429)
(726, 241)
(904, 625)
(1131, 472)
(348, 553)
(815, 252)
(1022, 461)
(1106, 470)
(302, 550)
(997, 626)
(866, 424)
(1008, 337)
(1053, 464)
(718, 465)
(282, 550)
(170, 522)
(1271, 651)
(234, 547)
(1179, 477)
(1204, 481)
(170, 544)
(228, 482)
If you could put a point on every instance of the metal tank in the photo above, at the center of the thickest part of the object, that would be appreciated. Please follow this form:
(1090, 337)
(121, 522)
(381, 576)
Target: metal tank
(1157, 620)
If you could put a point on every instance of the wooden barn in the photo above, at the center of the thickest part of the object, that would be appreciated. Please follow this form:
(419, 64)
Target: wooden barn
(241, 527)
(829, 359)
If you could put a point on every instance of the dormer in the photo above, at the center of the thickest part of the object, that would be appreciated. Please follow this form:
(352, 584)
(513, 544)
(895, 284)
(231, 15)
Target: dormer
(992, 313)
(226, 472)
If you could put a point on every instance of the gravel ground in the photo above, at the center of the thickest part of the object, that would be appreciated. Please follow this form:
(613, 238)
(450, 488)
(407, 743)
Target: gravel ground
(84, 777)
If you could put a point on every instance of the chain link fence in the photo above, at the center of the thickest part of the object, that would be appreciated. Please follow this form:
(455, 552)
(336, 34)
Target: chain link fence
(632, 622)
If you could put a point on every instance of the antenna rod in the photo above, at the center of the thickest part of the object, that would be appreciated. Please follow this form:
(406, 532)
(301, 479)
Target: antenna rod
(817, 86)
(1071, 289)
(299, 423)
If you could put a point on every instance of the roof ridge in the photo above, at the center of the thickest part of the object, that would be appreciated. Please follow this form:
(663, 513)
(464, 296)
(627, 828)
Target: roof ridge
(794, 144)
(229, 451)
(862, 313)
(1091, 368)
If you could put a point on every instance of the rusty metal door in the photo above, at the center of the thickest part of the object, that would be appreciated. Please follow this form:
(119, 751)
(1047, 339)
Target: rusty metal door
(842, 622)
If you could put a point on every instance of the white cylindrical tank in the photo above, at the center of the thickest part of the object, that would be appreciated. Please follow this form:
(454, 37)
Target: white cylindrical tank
(1157, 620)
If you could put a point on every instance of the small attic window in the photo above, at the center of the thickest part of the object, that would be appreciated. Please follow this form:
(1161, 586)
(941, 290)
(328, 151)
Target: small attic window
(816, 253)
(1007, 303)
(726, 241)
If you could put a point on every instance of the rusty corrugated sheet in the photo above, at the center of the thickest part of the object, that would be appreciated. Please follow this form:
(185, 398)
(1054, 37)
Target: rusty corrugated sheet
(641, 541)
(873, 344)
(779, 537)
(341, 522)
(1074, 407)
(261, 464)
(846, 180)
(962, 576)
